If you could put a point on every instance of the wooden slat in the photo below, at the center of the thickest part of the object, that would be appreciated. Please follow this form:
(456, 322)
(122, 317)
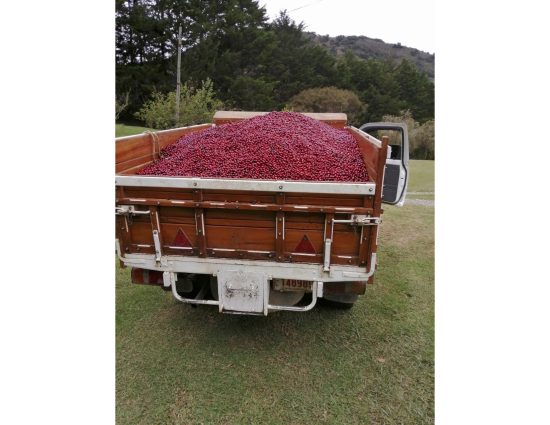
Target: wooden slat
(241, 254)
(242, 207)
(241, 238)
(342, 201)
(248, 197)
(157, 194)
(347, 242)
(141, 232)
(142, 249)
(133, 165)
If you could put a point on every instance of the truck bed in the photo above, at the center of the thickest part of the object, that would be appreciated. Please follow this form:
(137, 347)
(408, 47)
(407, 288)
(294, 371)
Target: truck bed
(173, 223)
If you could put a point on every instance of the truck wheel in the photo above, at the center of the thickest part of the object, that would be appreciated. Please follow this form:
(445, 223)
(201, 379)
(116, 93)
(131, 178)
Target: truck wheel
(289, 298)
(343, 301)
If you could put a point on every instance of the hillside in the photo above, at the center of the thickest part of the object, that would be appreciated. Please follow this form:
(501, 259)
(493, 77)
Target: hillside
(368, 48)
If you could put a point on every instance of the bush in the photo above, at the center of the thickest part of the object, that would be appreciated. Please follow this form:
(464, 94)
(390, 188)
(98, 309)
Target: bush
(421, 136)
(196, 106)
(329, 99)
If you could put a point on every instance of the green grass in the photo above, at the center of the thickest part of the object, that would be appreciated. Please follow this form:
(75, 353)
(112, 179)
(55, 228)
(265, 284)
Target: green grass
(421, 176)
(373, 364)
(128, 130)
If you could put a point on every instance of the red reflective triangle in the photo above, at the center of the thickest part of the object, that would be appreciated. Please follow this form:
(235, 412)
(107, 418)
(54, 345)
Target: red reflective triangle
(305, 246)
(182, 240)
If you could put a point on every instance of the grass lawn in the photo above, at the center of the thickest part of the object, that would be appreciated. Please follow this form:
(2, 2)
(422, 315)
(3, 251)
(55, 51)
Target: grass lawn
(128, 130)
(422, 176)
(373, 364)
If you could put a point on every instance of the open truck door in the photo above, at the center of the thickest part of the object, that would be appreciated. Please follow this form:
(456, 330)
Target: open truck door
(396, 175)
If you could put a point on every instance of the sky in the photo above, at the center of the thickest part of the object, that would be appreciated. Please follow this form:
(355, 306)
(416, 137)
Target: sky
(409, 22)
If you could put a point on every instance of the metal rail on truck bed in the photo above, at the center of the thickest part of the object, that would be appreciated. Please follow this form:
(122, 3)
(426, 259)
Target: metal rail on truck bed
(312, 231)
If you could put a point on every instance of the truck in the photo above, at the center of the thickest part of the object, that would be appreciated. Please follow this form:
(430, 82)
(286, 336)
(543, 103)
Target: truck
(251, 246)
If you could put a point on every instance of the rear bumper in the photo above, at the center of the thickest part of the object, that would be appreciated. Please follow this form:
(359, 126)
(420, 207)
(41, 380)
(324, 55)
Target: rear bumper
(272, 269)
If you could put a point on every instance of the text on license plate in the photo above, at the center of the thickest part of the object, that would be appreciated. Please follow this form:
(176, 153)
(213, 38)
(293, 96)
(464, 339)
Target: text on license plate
(296, 285)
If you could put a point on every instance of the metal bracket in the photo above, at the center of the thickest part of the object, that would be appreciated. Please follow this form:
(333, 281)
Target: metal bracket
(169, 279)
(361, 220)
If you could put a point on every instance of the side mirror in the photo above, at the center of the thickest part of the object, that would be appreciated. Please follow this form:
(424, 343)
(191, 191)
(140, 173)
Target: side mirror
(396, 175)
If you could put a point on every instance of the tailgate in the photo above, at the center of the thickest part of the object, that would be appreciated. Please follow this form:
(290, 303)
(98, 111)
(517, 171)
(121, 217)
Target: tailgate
(284, 224)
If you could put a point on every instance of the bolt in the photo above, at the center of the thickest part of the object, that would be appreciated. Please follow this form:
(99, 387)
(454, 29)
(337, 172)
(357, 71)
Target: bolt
(281, 186)
(370, 189)
(194, 184)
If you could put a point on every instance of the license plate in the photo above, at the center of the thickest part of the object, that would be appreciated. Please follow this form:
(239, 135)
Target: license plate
(241, 291)
(296, 285)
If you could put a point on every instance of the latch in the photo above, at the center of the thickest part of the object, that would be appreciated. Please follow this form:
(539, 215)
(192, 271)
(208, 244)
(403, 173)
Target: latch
(361, 220)
(129, 210)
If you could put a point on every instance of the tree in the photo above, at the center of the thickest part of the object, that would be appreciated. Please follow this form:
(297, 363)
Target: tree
(295, 62)
(329, 99)
(415, 90)
(253, 63)
(218, 43)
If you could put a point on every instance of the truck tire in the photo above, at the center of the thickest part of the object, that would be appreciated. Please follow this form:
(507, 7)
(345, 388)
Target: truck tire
(342, 301)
